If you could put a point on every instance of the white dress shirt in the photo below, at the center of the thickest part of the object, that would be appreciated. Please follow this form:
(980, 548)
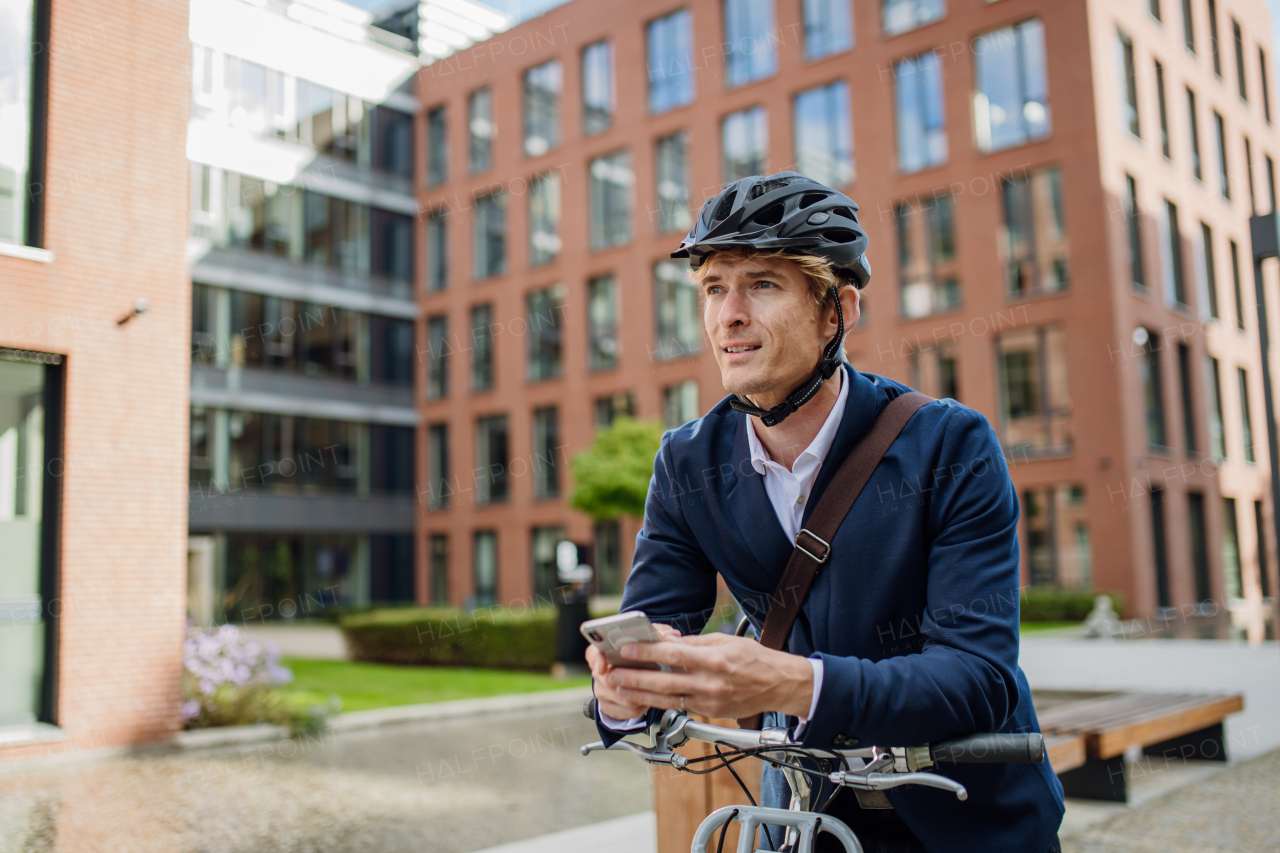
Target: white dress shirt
(788, 492)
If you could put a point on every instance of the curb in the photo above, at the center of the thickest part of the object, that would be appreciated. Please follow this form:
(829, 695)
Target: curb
(570, 698)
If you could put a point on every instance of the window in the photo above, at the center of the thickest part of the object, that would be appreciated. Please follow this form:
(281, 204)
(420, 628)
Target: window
(19, 155)
(481, 347)
(204, 342)
(927, 267)
(744, 140)
(612, 407)
(1175, 281)
(824, 135)
(922, 121)
(680, 404)
(544, 218)
(679, 332)
(898, 16)
(438, 489)
(1237, 37)
(1266, 87)
(327, 452)
(749, 38)
(1231, 575)
(1129, 83)
(439, 548)
(1132, 213)
(546, 314)
(546, 451)
(1199, 535)
(1224, 175)
(1034, 400)
(1035, 236)
(611, 183)
(1193, 125)
(1011, 106)
(671, 152)
(1158, 549)
(602, 323)
(480, 129)
(608, 548)
(1152, 387)
(391, 143)
(1217, 437)
(1059, 553)
(390, 351)
(489, 236)
(485, 567)
(670, 64)
(1236, 283)
(542, 87)
(1188, 400)
(437, 147)
(1164, 111)
(1214, 44)
(1246, 416)
(437, 250)
(546, 576)
(492, 473)
(391, 245)
(1210, 270)
(1260, 526)
(1188, 27)
(1248, 169)
(597, 88)
(934, 371)
(828, 27)
(437, 357)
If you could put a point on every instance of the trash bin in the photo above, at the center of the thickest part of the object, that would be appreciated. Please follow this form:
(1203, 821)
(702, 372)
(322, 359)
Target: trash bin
(573, 567)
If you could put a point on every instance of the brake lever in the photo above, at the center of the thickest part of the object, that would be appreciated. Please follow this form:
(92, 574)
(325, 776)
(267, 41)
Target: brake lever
(650, 754)
(884, 781)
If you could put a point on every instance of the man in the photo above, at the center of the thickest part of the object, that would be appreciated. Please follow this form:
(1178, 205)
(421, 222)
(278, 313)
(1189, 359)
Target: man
(910, 633)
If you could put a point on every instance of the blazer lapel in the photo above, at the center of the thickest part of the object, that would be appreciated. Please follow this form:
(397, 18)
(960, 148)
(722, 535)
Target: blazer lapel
(860, 409)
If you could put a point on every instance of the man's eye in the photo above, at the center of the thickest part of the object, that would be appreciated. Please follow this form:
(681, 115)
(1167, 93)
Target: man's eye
(765, 283)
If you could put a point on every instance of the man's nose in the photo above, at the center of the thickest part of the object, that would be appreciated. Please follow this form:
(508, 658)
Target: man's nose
(734, 309)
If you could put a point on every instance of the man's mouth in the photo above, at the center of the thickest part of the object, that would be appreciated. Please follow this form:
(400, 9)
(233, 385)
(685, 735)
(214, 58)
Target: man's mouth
(742, 348)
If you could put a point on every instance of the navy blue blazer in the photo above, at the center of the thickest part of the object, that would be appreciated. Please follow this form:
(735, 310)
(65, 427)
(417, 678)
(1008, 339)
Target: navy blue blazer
(915, 617)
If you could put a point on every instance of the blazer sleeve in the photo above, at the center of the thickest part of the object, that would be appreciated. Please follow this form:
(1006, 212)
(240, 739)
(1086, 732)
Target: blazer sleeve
(671, 580)
(963, 681)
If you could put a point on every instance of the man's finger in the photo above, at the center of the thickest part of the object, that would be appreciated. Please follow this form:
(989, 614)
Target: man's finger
(672, 683)
(673, 654)
(650, 699)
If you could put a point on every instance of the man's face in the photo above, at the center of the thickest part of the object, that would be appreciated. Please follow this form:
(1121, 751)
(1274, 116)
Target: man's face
(765, 329)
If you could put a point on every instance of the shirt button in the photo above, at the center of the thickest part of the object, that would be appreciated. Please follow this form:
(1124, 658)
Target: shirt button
(800, 499)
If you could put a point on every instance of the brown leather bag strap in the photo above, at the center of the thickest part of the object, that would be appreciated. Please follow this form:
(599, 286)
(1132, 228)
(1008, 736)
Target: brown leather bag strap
(813, 548)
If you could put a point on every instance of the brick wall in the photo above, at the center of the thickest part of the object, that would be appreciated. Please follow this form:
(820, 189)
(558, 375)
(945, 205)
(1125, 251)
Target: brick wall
(116, 219)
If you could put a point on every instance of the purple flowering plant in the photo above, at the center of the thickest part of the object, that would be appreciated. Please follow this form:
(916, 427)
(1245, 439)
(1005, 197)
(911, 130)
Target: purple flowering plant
(229, 678)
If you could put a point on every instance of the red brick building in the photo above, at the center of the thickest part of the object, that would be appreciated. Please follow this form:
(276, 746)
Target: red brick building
(1054, 241)
(93, 411)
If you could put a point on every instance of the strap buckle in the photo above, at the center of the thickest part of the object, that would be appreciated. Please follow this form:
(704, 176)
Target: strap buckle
(826, 546)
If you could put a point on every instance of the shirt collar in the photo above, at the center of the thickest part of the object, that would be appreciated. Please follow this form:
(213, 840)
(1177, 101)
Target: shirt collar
(821, 444)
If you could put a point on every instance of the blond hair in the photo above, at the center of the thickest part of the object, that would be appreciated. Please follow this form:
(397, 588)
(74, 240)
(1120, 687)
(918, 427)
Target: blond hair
(822, 276)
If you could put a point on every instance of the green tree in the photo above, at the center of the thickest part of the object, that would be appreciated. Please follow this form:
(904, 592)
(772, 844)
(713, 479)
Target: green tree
(612, 476)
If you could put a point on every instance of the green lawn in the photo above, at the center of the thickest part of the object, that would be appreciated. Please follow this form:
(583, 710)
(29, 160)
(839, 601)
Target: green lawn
(1034, 627)
(362, 686)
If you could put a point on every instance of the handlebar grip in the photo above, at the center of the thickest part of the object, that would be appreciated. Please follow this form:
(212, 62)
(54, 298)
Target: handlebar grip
(589, 708)
(991, 749)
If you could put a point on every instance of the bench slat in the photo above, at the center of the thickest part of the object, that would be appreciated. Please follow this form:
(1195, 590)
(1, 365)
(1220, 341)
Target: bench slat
(1114, 723)
(1112, 742)
(1064, 752)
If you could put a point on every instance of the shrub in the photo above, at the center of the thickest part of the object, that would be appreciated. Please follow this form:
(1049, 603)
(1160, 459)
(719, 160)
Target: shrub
(1047, 604)
(231, 679)
(447, 637)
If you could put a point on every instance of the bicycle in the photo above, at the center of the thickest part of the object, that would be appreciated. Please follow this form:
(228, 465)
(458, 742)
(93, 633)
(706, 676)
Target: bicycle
(884, 768)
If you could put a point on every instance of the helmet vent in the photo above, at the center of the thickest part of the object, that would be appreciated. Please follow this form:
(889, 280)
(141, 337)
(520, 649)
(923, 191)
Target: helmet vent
(810, 199)
(770, 216)
(766, 187)
(723, 208)
(843, 211)
(839, 235)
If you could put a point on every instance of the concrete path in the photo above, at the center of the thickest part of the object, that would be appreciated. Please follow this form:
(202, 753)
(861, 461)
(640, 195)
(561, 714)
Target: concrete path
(319, 641)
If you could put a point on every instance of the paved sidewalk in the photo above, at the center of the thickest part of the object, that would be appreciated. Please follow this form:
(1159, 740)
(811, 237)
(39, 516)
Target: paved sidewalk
(637, 833)
(318, 641)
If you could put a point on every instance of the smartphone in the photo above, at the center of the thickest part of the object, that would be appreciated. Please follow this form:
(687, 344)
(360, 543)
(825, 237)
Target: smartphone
(610, 633)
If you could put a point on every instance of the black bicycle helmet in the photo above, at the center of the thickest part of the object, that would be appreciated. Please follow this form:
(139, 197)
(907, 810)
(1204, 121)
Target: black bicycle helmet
(790, 212)
(785, 211)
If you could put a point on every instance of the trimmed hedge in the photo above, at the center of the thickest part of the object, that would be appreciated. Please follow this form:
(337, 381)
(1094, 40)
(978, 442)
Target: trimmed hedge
(1046, 604)
(447, 637)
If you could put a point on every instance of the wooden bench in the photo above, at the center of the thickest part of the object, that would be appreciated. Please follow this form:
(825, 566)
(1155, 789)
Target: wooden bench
(1171, 726)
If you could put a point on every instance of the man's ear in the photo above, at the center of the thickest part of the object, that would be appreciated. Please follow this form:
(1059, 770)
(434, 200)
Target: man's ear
(850, 305)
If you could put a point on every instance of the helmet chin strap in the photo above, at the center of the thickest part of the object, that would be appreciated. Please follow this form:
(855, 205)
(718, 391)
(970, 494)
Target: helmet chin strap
(797, 398)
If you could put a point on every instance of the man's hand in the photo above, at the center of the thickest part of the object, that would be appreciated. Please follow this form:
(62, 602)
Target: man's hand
(607, 695)
(726, 676)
